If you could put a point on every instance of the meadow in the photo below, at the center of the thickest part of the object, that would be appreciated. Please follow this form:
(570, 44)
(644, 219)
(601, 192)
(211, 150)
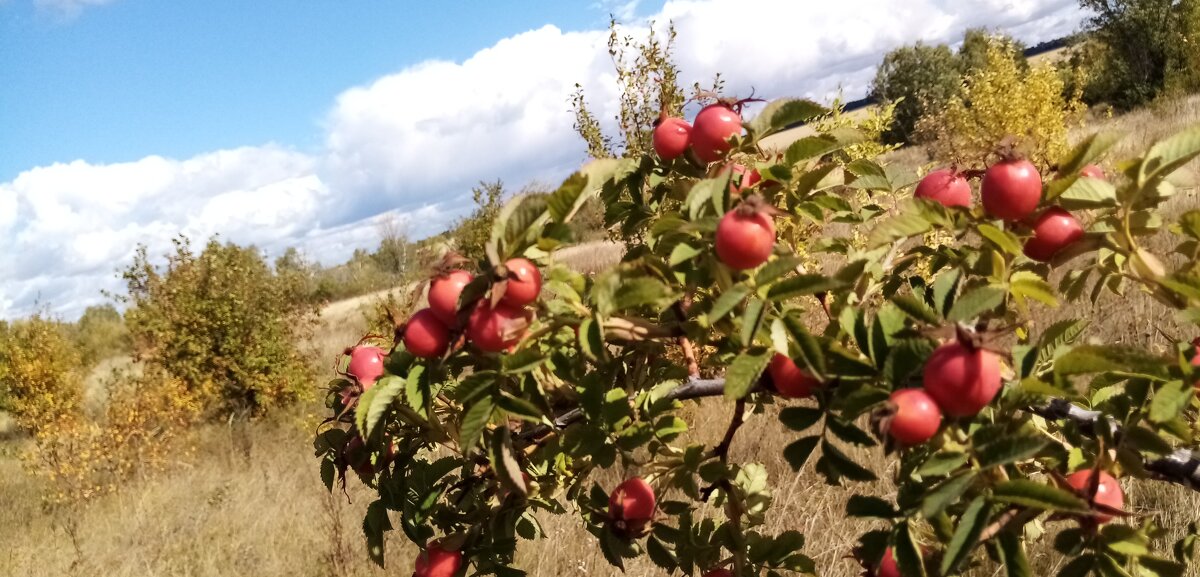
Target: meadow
(247, 498)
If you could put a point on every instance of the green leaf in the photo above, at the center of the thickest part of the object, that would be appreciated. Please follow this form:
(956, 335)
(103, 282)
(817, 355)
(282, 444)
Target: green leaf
(1085, 359)
(810, 349)
(941, 463)
(944, 288)
(1004, 240)
(907, 552)
(728, 300)
(668, 427)
(1033, 494)
(1028, 284)
(976, 302)
(800, 418)
(1087, 193)
(970, 526)
(906, 357)
(752, 320)
(375, 525)
(474, 420)
(1012, 555)
(869, 175)
(904, 224)
(1145, 440)
(1171, 398)
(916, 308)
(641, 291)
(1168, 155)
(1160, 567)
(798, 452)
(811, 147)
(803, 285)
(385, 393)
(783, 113)
(577, 189)
(660, 555)
(1058, 335)
(867, 506)
(519, 407)
(682, 253)
(504, 462)
(1088, 150)
(744, 371)
(946, 493)
(774, 269)
(1010, 449)
(522, 361)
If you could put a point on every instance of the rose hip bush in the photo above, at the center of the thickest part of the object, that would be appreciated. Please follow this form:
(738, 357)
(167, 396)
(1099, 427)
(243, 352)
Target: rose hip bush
(506, 403)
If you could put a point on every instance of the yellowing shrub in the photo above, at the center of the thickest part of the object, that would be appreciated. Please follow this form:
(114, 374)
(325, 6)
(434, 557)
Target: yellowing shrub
(39, 372)
(999, 101)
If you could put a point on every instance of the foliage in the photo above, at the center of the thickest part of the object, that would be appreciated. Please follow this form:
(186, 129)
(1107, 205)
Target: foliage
(871, 128)
(488, 444)
(100, 334)
(138, 434)
(470, 233)
(1145, 48)
(999, 101)
(222, 322)
(916, 79)
(973, 53)
(647, 82)
(39, 371)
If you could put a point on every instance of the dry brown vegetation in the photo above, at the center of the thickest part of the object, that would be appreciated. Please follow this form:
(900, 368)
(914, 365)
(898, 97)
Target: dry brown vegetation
(251, 501)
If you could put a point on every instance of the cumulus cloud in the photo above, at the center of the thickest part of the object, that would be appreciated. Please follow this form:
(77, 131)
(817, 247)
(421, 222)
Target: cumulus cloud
(410, 145)
(67, 9)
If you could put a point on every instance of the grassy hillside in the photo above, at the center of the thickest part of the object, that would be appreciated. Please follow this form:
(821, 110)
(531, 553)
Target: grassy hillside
(250, 501)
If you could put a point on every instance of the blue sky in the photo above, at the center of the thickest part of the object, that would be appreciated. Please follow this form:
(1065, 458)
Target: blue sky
(311, 123)
(138, 77)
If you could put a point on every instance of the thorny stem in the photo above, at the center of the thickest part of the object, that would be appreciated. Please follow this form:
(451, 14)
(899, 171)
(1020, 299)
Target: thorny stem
(689, 353)
(721, 451)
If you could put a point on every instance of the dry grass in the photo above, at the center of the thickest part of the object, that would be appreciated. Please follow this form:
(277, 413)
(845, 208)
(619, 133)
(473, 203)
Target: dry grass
(252, 502)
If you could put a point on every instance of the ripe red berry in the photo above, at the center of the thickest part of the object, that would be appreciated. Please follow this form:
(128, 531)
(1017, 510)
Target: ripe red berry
(671, 138)
(719, 572)
(715, 124)
(1108, 492)
(1011, 189)
(359, 458)
(426, 336)
(437, 562)
(496, 329)
(790, 380)
(444, 292)
(946, 187)
(1092, 171)
(962, 381)
(916, 418)
(745, 238)
(1054, 230)
(887, 566)
(524, 282)
(741, 179)
(366, 365)
(633, 503)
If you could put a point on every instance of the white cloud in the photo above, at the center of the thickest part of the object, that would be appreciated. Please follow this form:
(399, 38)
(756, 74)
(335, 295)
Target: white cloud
(67, 9)
(411, 144)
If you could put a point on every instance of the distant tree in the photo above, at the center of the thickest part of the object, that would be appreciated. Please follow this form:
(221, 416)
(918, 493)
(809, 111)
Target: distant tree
(648, 84)
(1148, 46)
(39, 372)
(100, 334)
(472, 232)
(221, 322)
(393, 253)
(972, 54)
(917, 79)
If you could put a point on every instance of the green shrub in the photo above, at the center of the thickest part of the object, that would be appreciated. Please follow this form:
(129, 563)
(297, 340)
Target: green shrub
(101, 334)
(222, 322)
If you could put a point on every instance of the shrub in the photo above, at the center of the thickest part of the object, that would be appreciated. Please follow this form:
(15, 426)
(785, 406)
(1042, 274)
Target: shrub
(1149, 46)
(916, 79)
(40, 372)
(221, 322)
(470, 233)
(1000, 101)
(100, 334)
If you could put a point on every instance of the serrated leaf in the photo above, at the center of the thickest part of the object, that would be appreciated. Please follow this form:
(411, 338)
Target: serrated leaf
(905, 224)
(1033, 494)
(519, 407)
(941, 463)
(946, 493)
(905, 358)
(578, 188)
(756, 312)
(375, 525)
(643, 291)
(682, 253)
(1010, 449)
(1004, 240)
(384, 394)
(774, 269)
(504, 462)
(1088, 150)
(868, 175)
(1085, 359)
(907, 552)
(744, 371)
(728, 300)
(1058, 335)
(784, 113)
(1168, 155)
(944, 288)
(474, 420)
(1087, 193)
(1012, 555)
(970, 526)
(977, 301)
(1171, 398)
(522, 361)
(810, 349)
(916, 308)
(803, 285)
(1027, 284)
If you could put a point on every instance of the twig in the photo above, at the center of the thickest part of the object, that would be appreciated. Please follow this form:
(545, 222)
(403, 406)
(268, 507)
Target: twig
(689, 353)
(721, 451)
(1016, 517)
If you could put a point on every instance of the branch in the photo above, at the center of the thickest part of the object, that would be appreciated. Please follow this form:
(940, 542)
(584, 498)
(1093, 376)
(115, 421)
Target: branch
(739, 417)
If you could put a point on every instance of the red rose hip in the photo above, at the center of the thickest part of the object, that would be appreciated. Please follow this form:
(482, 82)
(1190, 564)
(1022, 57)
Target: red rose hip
(790, 380)
(524, 282)
(1108, 491)
(444, 292)
(1011, 189)
(713, 128)
(425, 336)
(745, 238)
(366, 365)
(496, 329)
(437, 562)
(1054, 230)
(632, 502)
(916, 418)
(945, 187)
(671, 138)
(961, 380)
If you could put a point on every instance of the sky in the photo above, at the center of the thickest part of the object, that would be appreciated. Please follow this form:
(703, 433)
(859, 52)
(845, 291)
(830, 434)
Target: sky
(280, 123)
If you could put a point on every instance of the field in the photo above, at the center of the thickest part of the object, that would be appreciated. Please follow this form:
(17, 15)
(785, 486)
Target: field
(250, 501)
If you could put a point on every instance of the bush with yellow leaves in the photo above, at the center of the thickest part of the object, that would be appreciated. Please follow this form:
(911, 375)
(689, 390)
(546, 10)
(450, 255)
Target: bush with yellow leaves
(39, 372)
(139, 433)
(999, 101)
